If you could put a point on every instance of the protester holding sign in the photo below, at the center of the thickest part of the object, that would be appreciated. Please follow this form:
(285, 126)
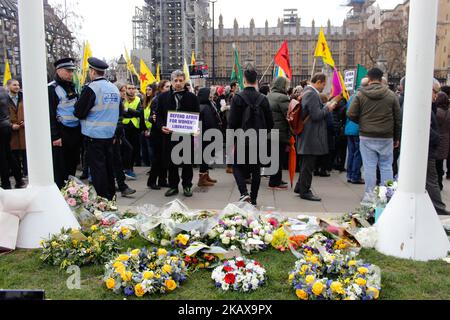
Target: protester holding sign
(180, 100)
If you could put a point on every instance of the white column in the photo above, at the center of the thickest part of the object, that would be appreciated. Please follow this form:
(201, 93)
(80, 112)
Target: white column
(409, 227)
(43, 208)
(34, 76)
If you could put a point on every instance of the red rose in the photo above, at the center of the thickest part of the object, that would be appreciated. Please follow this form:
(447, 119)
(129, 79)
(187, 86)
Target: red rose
(230, 278)
(227, 269)
(240, 264)
(257, 264)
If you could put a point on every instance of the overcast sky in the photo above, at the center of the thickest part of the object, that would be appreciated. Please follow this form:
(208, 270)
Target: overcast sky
(107, 23)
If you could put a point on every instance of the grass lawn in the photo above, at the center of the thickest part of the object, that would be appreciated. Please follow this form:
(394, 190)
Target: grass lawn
(401, 279)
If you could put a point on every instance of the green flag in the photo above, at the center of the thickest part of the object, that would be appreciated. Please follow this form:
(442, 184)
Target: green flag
(76, 82)
(361, 73)
(237, 74)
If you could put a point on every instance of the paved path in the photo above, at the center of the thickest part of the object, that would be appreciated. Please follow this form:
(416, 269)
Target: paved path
(337, 195)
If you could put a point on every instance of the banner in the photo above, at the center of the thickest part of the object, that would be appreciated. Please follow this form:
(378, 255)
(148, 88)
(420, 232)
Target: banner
(349, 79)
(183, 123)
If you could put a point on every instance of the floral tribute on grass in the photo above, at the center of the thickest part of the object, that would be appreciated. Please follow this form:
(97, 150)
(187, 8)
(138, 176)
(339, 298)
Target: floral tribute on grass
(73, 247)
(240, 274)
(244, 232)
(145, 271)
(335, 277)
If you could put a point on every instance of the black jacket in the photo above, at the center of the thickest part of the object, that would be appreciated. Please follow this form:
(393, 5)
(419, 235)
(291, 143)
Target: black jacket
(166, 103)
(55, 125)
(434, 137)
(238, 107)
(4, 109)
(209, 116)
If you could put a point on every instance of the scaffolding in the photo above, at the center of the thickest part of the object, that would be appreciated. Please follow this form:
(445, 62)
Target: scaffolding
(172, 29)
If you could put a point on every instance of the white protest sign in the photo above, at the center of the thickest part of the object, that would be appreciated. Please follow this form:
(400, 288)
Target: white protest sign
(183, 123)
(349, 79)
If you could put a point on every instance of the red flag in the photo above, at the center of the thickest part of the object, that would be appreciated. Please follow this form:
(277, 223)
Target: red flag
(282, 59)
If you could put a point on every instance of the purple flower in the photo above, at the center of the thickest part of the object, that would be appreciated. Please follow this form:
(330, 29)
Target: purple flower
(129, 291)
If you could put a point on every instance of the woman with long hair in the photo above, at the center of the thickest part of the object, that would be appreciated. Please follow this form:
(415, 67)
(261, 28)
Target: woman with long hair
(146, 125)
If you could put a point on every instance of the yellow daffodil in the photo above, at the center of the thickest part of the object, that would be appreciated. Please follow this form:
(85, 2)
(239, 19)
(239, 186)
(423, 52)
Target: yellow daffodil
(54, 244)
(310, 279)
(135, 252)
(118, 264)
(148, 275)
(127, 276)
(113, 237)
(363, 270)
(110, 283)
(182, 239)
(291, 277)
(123, 257)
(337, 287)
(347, 281)
(158, 276)
(170, 285)
(102, 238)
(152, 266)
(352, 263)
(125, 231)
(174, 259)
(317, 288)
(361, 282)
(161, 252)
(375, 291)
(74, 243)
(90, 239)
(42, 243)
(167, 269)
(94, 228)
(304, 268)
(139, 291)
(301, 294)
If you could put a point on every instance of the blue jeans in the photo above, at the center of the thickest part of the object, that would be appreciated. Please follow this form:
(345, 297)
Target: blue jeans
(354, 161)
(377, 152)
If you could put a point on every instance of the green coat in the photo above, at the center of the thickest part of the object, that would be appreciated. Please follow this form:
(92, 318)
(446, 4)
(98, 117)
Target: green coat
(279, 105)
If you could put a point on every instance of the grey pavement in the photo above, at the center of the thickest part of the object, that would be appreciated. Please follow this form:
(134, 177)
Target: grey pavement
(337, 195)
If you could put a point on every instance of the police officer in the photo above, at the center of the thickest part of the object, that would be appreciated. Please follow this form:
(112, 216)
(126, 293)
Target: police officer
(98, 109)
(64, 126)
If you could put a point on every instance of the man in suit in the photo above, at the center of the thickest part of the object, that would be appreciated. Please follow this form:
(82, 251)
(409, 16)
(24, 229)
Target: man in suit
(313, 141)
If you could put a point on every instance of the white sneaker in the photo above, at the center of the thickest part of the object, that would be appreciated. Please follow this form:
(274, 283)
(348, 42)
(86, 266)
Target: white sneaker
(368, 200)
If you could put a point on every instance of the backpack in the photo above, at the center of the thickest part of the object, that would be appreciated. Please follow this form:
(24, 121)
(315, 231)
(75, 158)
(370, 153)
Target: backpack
(253, 117)
(294, 117)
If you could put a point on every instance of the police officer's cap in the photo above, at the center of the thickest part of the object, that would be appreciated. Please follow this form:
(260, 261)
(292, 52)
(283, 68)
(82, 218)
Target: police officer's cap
(97, 64)
(66, 63)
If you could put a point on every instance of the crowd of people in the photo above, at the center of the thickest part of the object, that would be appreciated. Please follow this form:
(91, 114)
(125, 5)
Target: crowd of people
(109, 129)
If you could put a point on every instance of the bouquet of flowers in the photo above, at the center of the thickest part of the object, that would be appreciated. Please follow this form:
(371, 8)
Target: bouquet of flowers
(245, 232)
(77, 194)
(141, 271)
(335, 277)
(384, 194)
(72, 247)
(241, 274)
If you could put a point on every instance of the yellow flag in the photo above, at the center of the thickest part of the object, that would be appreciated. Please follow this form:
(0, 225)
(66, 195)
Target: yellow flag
(7, 75)
(158, 73)
(322, 50)
(146, 77)
(344, 88)
(87, 53)
(130, 65)
(186, 71)
(193, 60)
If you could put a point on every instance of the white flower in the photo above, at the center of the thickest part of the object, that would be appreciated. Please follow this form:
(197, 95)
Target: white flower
(268, 238)
(226, 240)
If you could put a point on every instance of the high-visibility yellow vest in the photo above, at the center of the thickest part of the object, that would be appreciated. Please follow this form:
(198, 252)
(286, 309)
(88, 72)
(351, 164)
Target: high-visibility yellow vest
(132, 105)
(147, 115)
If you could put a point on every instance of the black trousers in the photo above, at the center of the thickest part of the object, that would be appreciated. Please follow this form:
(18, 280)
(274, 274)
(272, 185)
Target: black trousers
(307, 165)
(277, 179)
(7, 163)
(396, 158)
(241, 172)
(187, 175)
(158, 170)
(100, 160)
(67, 157)
(133, 136)
(440, 172)
(340, 153)
(118, 166)
(433, 189)
(20, 157)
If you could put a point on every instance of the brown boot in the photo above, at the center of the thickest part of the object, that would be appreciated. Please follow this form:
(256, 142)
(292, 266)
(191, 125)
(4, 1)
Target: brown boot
(203, 181)
(230, 170)
(209, 178)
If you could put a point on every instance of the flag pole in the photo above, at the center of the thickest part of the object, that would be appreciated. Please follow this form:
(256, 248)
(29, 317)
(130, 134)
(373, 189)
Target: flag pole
(265, 72)
(314, 67)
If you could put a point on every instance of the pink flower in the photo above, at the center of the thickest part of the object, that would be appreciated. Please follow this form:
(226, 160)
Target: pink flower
(72, 191)
(85, 198)
(71, 202)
